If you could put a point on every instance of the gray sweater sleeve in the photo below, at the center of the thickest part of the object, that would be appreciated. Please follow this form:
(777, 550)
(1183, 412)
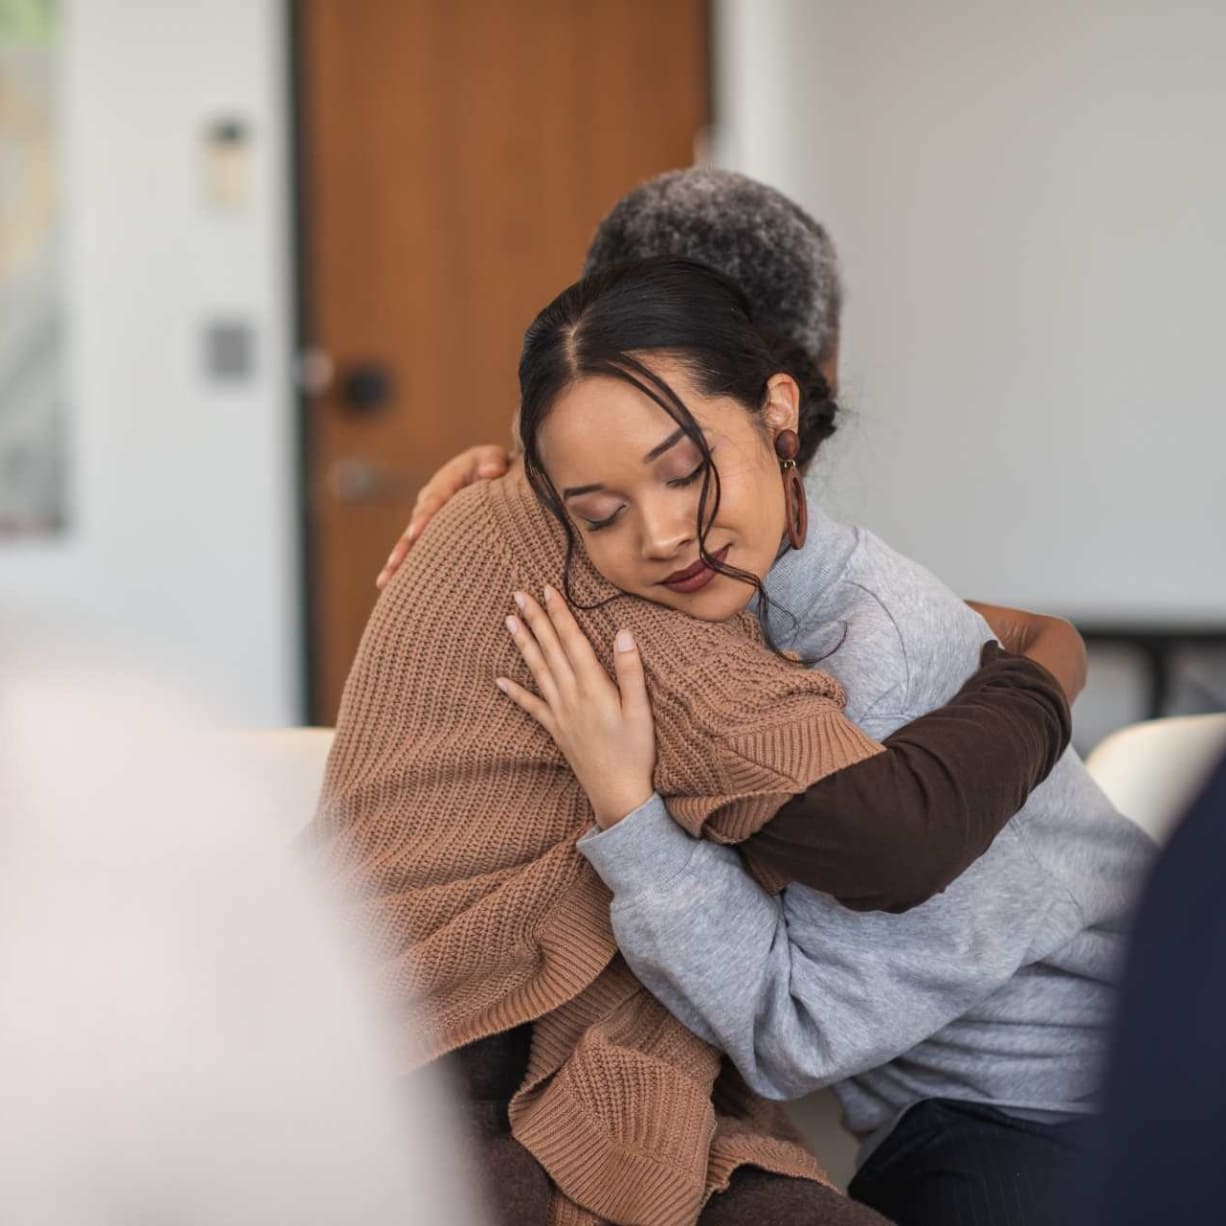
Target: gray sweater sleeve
(799, 991)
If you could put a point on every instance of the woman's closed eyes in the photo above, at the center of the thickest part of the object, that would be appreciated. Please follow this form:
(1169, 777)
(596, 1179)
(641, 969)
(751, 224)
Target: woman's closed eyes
(595, 525)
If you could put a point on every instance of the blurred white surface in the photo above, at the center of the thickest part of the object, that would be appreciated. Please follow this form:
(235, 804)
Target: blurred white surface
(188, 1035)
(289, 764)
(1153, 770)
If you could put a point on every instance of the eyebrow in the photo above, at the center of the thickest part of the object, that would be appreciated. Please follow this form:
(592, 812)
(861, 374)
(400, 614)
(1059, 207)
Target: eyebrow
(656, 452)
(574, 491)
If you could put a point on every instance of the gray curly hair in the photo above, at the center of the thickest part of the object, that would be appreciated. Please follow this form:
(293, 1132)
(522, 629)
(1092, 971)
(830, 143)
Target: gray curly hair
(783, 261)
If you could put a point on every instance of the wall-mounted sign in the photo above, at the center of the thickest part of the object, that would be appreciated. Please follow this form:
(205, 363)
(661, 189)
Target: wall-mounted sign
(227, 164)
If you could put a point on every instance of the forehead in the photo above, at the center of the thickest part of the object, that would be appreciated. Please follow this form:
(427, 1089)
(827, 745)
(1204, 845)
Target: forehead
(607, 418)
(605, 407)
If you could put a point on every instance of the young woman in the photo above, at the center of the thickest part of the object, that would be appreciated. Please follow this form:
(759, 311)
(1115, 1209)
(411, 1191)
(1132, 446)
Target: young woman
(655, 413)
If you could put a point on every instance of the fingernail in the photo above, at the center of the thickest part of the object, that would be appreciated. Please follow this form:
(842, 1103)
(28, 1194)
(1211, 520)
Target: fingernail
(624, 641)
(413, 532)
(513, 625)
(549, 593)
(501, 683)
(519, 599)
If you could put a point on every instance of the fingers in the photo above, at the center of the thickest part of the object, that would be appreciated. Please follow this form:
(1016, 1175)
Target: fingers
(566, 648)
(546, 636)
(534, 658)
(394, 560)
(575, 643)
(477, 463)
(490, 460)
(631, 681)
(424, 510)
(528, 701)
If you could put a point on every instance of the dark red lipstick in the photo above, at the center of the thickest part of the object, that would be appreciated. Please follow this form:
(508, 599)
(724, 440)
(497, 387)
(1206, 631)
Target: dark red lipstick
(696, 576)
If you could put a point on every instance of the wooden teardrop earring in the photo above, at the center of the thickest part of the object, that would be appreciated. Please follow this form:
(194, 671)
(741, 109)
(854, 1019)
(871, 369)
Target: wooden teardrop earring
(796, 509)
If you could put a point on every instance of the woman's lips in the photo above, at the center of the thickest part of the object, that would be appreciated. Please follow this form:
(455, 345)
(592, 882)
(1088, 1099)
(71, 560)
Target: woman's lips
(696, 576)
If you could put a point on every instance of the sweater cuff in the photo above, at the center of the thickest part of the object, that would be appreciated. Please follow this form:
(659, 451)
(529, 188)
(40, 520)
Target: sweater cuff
(643, 851)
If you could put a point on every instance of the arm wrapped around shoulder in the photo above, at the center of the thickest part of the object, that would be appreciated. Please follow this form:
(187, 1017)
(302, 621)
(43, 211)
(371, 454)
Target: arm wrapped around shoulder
(892, 831)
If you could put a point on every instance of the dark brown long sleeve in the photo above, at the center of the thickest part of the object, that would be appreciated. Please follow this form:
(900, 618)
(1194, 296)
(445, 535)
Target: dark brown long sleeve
(889, 833)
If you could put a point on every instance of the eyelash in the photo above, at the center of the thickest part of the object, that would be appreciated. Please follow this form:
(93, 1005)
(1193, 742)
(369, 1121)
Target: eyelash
(677, 483)
(690, 478)
(597, 525)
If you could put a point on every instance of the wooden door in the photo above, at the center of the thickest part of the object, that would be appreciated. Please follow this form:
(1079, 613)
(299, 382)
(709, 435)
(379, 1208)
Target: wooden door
(456, 156)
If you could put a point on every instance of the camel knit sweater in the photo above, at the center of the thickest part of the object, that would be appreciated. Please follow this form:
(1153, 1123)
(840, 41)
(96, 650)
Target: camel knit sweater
(454, 818)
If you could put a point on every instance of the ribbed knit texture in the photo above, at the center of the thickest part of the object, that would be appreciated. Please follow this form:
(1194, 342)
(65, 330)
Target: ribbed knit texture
(453, 818)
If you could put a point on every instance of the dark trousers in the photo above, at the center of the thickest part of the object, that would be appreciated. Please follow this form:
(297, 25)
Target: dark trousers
(951, 1163)
(759, 1198)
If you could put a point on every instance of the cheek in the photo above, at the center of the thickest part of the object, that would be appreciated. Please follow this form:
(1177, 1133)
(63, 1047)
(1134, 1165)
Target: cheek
(610, 557)
(751, 503)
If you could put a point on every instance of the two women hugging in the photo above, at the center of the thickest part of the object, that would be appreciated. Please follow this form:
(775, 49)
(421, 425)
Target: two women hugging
(665, 795)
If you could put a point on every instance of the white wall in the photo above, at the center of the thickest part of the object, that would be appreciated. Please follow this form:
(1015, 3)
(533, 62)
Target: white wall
(182, 534)
(1028, 200)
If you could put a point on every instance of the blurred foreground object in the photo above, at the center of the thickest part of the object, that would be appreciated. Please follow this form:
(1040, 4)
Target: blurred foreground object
(1164, 1100)
(187, 1034)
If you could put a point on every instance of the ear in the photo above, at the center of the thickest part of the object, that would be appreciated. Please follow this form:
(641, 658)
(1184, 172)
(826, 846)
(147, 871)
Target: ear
(782, 408)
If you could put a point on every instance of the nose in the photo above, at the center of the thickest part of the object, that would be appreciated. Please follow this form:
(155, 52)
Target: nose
(666, 529)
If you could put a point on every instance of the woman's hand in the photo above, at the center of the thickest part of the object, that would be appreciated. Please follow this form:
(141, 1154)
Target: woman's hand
(605, 730)
(476, 464)
(1051, 641)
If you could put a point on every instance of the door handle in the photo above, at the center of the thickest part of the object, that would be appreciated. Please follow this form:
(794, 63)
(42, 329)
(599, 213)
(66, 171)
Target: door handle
(359, 388)
(365, 387)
